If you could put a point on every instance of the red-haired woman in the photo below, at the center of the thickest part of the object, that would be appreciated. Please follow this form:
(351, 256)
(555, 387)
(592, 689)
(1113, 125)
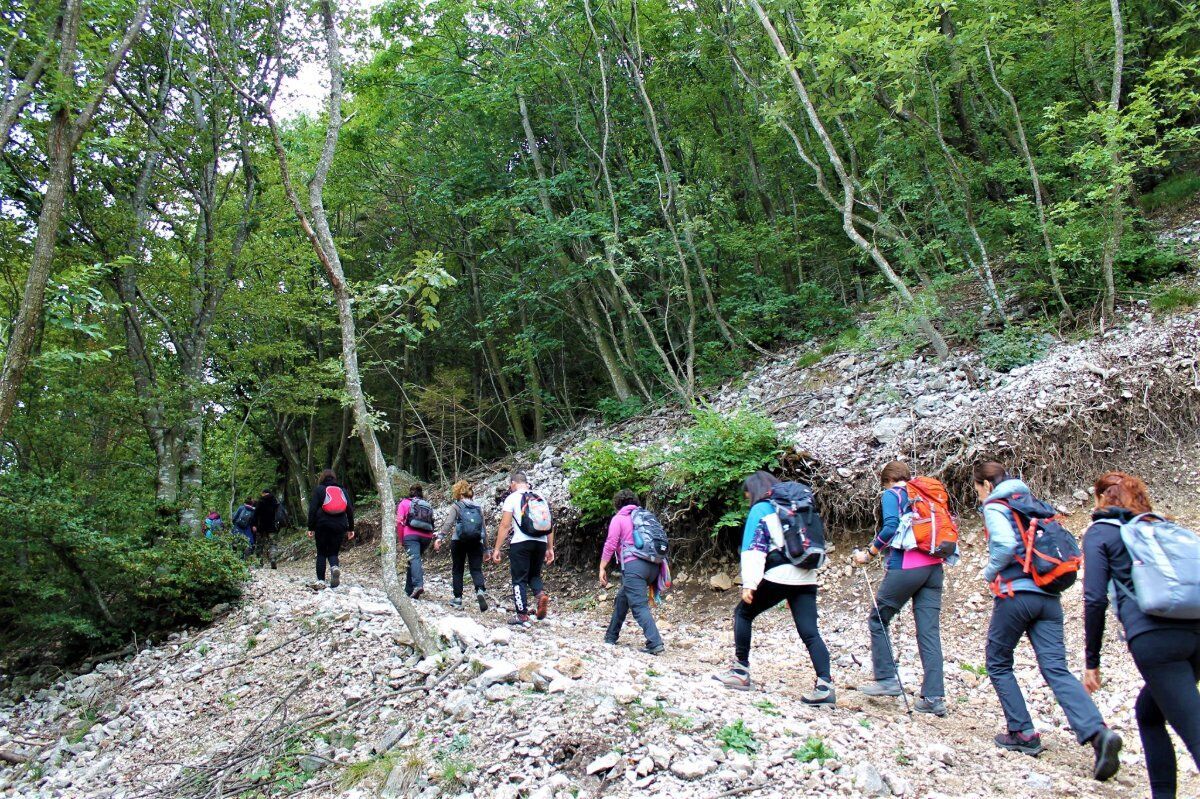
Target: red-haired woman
(1166, 651)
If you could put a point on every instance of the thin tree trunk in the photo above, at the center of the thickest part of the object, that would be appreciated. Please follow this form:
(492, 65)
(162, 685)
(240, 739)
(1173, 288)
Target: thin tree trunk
(1116, 195)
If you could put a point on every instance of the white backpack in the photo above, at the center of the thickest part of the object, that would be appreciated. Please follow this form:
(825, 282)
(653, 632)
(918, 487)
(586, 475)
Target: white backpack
(535, 515)
(1166, 567)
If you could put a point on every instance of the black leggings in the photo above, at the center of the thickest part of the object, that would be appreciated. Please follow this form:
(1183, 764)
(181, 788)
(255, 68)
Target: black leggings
(466, 554)
(802, 601)
(329, 543)
(525, 561)
(1169, 661)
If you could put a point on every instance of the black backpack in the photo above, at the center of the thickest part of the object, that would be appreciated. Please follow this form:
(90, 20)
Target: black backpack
(803, 528)
(470, 522)
(649, 537)
(243, 517)
(1046, 550)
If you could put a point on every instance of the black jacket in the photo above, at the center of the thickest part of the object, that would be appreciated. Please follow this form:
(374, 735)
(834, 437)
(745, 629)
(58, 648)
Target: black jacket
(1106, 560)
(329, 522)
(264, 514)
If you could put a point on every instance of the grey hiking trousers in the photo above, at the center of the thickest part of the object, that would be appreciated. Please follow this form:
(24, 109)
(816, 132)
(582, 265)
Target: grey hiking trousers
(922, 585)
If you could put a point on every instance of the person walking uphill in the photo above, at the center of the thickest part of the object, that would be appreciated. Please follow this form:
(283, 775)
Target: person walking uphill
(330, 524)
(1021, 608)
(527, 516)
(243, 524)
(911, 575)
(265, 526)
(414, 531)
(768, 578)
(640, 572)
(1165, 650)
(468, 542)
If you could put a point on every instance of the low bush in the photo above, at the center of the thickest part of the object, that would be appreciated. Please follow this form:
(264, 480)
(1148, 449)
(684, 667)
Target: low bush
(603, 469)
(1014, 347)
(1175, 298)
(1174, 192)
(718, 451)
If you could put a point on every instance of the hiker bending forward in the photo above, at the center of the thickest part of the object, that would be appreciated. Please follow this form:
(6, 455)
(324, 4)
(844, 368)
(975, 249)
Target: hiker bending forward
(911, 575)
(767, 580)
(639, 578)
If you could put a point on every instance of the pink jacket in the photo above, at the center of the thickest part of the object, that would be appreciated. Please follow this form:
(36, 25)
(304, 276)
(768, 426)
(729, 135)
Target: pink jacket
(620, 536)
(403, 531)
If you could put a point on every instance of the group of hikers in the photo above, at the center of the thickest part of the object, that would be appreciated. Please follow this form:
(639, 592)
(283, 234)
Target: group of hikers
(1143, 563)
(255, 521)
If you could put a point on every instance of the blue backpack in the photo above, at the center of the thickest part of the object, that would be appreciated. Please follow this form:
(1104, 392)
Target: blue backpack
(1166, 567)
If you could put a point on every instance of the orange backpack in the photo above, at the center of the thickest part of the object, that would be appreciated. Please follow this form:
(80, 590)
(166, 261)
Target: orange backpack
(934, 528)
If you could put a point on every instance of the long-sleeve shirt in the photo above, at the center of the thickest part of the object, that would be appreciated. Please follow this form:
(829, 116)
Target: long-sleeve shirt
(450, 524)
(894, 504)
(620, 536)
(1002, 539)
(1105, 561)
(319, 519)
(403, 531)
(763, 535)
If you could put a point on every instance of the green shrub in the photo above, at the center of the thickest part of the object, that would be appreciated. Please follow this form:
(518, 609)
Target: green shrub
(1175, 298)
(772, 314)
(815, 749)
(718, 451)
(603, 469)
(613, 410)
(179, 580)
(735, 736)
(1014, 347)
(1174, 192)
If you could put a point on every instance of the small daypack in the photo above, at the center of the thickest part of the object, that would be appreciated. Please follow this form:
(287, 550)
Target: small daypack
(243, 517)
(927, 526)
(1046, 550)
(649, 537)
(335, 501)
(420, 515)
(1166, 566)
(535, 515)
(470, 522)
(803, 528)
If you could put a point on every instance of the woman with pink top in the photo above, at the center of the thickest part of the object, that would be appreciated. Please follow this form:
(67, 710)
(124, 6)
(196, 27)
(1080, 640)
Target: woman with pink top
(638, 577)
(414, 530)
(911, 575)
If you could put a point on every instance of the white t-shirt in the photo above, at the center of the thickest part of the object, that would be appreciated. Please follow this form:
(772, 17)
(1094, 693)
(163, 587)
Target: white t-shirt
(512, 504)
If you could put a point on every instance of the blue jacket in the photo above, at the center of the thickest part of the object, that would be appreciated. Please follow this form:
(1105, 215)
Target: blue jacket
(1002, 539)
(894, 504)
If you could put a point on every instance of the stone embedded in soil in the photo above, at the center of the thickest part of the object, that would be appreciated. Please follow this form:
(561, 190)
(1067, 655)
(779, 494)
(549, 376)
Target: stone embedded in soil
(604, 763)
(720, 582)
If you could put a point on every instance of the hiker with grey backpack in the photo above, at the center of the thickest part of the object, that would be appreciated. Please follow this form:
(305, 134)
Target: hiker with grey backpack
(638, 538)
(468, 542)
(1153, 568)
(783, 545)
(1032, 559)
(414, 530)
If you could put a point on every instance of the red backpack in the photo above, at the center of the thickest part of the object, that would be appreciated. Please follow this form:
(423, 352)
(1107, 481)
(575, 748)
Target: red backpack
(335, 500)
(934, 527)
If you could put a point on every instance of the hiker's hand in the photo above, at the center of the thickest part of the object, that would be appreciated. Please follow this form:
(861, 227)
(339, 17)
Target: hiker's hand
(862, 557)
(1092, 680)
(310, 533)
(496, 556)
(603, 578)
(350, 535)
(437, 546)
(549, 556)
(748, 596)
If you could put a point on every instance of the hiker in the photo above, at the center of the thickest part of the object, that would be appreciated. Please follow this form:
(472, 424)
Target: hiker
(330, 524)
(1165, 650)
(265, 526)
(212, 524)
(1023, 608)
(634, 534)
(911, 574)
(768, 578)
(414, 531)
(243, 524)
(527, 516)
(468, 542)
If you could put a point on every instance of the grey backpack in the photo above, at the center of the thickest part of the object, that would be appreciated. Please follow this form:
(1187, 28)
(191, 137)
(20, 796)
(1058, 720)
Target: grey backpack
(1166, 567)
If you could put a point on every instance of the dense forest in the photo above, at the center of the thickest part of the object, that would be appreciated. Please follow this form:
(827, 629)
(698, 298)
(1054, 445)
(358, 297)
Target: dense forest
(509, 216)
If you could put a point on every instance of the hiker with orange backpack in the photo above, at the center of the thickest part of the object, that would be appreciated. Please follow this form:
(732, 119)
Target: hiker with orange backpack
(919, 535)
(1032, 559)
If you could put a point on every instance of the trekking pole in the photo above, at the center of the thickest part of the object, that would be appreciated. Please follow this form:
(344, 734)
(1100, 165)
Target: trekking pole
(887, 637)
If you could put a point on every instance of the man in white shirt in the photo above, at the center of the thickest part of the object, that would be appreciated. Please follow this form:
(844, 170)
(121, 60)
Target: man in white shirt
(527, 553)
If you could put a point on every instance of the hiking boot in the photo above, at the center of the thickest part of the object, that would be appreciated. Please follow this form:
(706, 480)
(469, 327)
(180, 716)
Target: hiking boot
(543, 605)
(481, 598)
(456, 603)
(520, 620)
(610, 641)
(821, 694)
(416, 594)
(1020, 742)
(335, 577)
(737, 678)
(933, 705)
(1107, 745)
(881, 688)
(317, 585)
(651, 650)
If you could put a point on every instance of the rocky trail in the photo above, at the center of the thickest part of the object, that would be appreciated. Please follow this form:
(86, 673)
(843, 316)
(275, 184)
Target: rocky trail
(317, 693)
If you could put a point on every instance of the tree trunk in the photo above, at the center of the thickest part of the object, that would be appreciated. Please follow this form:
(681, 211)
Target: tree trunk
(1116, 195)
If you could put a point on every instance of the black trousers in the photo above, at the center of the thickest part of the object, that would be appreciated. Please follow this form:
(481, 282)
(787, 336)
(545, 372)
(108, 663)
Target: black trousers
(463, 554)
(525, 560)
(329, 544)
(802, 602)
(1169, 661)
